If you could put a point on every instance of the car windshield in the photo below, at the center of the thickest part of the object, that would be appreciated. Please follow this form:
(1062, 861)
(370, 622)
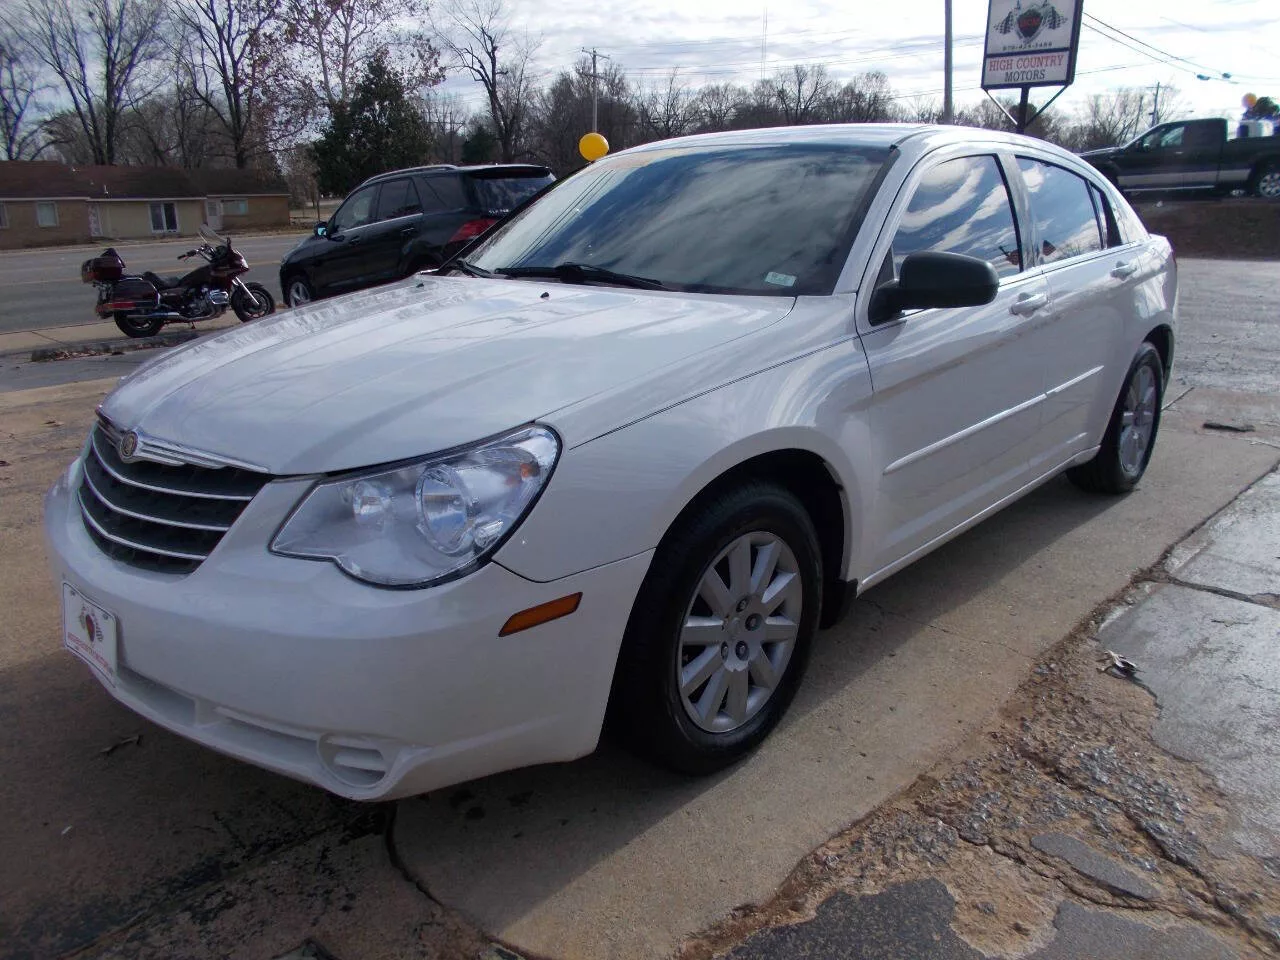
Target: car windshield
(753, 219)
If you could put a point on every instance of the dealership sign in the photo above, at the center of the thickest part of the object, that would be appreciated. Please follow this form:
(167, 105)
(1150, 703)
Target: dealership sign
(1031, 43)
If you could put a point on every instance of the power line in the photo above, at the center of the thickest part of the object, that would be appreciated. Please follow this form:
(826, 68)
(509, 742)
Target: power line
(1162, 56)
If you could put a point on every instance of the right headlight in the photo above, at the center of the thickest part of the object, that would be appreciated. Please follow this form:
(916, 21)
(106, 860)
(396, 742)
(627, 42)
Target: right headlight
(426, 521)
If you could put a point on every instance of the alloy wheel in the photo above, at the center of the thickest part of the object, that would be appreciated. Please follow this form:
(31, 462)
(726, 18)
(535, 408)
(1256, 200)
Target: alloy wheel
(299, 293)
(1137, 420)
(739, 632)
(1269, 184)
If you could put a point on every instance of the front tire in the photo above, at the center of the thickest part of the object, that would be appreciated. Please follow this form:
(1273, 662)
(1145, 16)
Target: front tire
(138, 327)
(1266, 182)
(255, 304)
(720, 632)
(1131, 433)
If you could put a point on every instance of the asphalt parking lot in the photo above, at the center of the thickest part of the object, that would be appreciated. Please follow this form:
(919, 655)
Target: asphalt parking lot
(122, 840)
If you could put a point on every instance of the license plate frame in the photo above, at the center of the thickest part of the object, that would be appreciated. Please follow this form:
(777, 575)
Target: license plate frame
(90, 632)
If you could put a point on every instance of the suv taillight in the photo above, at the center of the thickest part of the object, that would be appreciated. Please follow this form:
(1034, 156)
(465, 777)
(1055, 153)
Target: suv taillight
(472, 228)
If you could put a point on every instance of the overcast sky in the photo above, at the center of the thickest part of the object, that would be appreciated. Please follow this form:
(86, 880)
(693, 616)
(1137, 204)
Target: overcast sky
(712, 41)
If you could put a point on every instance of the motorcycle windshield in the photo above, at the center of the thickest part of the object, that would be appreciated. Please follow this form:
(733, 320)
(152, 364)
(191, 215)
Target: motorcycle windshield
(212, 238)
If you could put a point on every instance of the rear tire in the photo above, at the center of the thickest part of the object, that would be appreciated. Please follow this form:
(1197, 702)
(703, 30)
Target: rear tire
(138, 327)
(297, 291)
(1131, 433)
(697, 685)
(261, 304)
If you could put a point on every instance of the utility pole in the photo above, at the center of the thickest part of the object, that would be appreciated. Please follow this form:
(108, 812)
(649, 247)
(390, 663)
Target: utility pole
(948, 108)
(764, 40)
(595, 88)
(1155, 106)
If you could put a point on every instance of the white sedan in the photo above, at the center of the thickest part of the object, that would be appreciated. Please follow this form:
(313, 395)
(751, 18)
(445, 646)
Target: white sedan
(620, 462)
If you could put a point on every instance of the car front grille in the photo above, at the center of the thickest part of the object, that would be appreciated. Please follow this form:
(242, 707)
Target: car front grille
(156, 516)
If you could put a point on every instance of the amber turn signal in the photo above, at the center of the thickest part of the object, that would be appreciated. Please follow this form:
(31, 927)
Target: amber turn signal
(542, 613)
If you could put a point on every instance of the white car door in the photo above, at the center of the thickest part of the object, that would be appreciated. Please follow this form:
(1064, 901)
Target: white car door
(1081, 333)
(955, 411)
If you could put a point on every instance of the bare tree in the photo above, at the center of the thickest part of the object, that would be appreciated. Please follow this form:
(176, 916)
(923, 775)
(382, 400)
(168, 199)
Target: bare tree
(20, 87)
(801, 92)
(717, 105)
(338, 38)
(867, 98)
(479, 40)
(229, 50)
(97, 49)
(670, 110)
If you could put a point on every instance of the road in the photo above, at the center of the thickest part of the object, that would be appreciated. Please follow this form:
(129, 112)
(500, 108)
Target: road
(155, 847)
(42, 288)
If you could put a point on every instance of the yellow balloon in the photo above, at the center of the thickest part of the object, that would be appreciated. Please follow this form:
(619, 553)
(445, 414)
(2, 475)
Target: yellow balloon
(1250, 101)
(592, 146)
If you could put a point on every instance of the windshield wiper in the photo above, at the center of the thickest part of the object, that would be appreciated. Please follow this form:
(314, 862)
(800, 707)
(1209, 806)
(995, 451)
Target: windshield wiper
(584, 273)
(470, 269)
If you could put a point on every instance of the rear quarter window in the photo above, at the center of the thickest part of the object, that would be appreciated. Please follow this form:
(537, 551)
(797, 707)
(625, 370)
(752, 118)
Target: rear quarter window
(504, 194)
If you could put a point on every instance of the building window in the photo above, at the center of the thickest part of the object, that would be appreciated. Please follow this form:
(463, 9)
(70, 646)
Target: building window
(164, 218)
(46, 213)
(4, 217)
(235, 208)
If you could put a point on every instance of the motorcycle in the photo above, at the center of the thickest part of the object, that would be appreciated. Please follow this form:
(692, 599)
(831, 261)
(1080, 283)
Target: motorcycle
(141, 305)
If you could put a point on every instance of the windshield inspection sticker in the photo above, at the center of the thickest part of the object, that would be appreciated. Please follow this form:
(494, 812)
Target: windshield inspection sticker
(780, 279)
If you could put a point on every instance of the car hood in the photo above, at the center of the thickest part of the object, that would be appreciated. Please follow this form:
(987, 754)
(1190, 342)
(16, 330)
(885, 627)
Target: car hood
(1101, 153)
(417, 367)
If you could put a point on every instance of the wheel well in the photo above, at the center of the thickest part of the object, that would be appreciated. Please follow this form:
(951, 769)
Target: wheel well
(1162, 339)
(807, 476)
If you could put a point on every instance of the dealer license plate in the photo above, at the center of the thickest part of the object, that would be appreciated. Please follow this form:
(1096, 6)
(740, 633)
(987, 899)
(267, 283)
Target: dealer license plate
(89, 632)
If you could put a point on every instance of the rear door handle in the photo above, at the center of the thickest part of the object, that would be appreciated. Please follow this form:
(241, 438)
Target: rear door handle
(408, 231)
(1028, 303)
(1124, 268)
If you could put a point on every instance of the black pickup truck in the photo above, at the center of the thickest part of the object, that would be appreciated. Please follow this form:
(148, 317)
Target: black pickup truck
(1196, 155)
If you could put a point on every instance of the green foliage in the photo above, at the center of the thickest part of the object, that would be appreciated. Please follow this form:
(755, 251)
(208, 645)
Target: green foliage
(381, 128)
(480, 146)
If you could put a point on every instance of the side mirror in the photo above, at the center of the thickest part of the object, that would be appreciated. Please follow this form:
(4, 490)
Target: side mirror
(934, 279)
(321, 229)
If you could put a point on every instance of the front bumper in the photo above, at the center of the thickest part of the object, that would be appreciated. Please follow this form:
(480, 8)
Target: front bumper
(371, 694)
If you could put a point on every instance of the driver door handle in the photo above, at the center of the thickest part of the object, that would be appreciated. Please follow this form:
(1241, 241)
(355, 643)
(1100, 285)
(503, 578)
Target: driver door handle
(1028, 303)
(358, 238)
(1124, 268)
(408, 231)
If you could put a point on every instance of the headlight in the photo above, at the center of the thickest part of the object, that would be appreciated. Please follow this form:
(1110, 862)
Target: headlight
(423, 522)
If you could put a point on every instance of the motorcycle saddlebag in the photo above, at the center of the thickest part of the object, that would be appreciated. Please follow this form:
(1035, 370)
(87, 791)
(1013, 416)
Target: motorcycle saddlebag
(107, 268)
(134, 293)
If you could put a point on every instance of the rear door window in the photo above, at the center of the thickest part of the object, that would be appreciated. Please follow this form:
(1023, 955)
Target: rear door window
(398, 198)
(497, 195)
(447, 191)
(962, 206)
(1066, 222)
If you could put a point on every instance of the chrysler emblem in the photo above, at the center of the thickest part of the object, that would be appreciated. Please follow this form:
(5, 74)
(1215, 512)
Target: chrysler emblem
(128, 446)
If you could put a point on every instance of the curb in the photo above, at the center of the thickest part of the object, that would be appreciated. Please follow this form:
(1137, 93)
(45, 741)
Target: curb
(100, 347)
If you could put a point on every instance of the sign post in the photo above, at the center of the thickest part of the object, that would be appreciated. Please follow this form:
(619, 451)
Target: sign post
(1030, 43)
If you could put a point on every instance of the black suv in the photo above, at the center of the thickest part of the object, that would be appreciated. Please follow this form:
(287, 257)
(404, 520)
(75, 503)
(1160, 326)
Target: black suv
(400, 222)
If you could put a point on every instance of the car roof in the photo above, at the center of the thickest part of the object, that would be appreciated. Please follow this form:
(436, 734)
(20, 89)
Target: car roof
(453, 168)
(919, 138)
